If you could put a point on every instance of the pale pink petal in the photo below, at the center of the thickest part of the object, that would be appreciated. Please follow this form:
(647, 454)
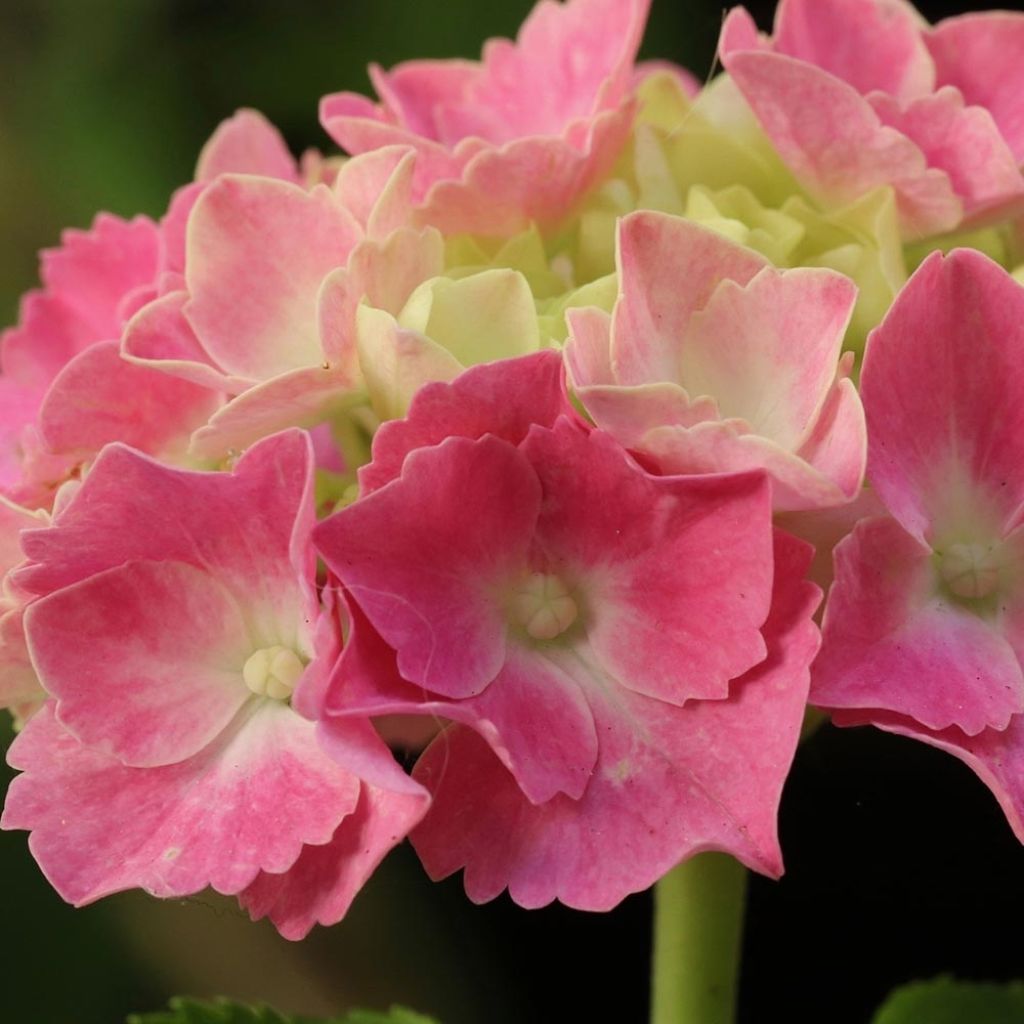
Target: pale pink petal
(623, 534)
(943, 390)
(321, 885)
(892, 642)
(670, 782)
(767, 350)
(833, 141)
(503, 398)
(966, 144)
(376, 187)
(145, 659)
(871, 44)
(668, 269)
(980, 55)
(588, 355)
(258, 251)
(248, 803)
(246, 143)
(426, 581)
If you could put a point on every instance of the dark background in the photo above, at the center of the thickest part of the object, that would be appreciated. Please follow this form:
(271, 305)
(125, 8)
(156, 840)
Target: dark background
(900, 865)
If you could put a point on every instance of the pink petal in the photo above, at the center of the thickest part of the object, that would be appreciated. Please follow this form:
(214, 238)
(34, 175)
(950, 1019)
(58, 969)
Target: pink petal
(503, 398)
(321, 885)
(668, 269)
(670, 782)
(258, 251)
(376, 187)
(48, 335)
(980, 55)
(145, 660)
(891, 642)
(246, 143)
(943, 390)
(833, 141)
(871, 44)
(426, 581)
(248, 803)
(623, 534)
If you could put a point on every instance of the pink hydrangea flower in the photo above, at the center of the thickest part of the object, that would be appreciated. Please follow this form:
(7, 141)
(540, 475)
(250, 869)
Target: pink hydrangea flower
(517, 137)
(174, 614)
(630, 651)
(855, 94)
(714, 361)
(924, 627)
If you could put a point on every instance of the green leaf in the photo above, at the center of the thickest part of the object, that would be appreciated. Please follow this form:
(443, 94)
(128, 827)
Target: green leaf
(946, 1001)
(224, 1011)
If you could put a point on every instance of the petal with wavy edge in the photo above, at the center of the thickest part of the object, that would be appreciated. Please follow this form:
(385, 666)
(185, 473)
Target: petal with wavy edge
(669, 268)
(980, 55)
(833, 141)
(246, 143)
(943, 391)
(258, 251)
(670, 782)
(456, 528)
(145, 659)
(892, 642)
(248, 803)
(503, 399)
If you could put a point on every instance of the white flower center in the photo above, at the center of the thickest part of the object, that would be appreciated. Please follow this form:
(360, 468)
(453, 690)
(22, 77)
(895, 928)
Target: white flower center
(543, 606)
(273, 672)
(970, 570)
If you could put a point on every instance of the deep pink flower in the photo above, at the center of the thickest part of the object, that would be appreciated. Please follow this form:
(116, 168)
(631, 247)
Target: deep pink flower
(519, 136)
(856, 94)
(924, 627)
(174, 614)
(613, 639)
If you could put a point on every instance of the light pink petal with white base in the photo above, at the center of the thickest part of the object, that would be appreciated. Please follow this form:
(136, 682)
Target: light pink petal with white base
(943, 390)
(248, 803)
(893, 642)
(321, 885)
(246, 143)
(427, 581)
(100, 398)
(376, 187)
(871, 44)
(980, 55)
(503, 398)
(145, 659)
(767, 352)
(833, 141)
(669, 268)
(670, 782)
(966, 144)
(258, 251)
(249, 528)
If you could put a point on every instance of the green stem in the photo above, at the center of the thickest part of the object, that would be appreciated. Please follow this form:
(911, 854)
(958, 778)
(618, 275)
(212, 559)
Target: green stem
(698, 924)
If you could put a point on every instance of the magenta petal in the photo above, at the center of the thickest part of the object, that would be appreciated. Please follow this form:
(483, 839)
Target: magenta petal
(943, 390)
(504, 398)
(670, 782)
(892, 642)
(624, 534)
(423, 556)
(321, 885)
(980, 54)
(246, 804)
(145, 660)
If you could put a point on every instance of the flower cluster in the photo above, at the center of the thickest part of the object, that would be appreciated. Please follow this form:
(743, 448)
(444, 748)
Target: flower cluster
(519, 439)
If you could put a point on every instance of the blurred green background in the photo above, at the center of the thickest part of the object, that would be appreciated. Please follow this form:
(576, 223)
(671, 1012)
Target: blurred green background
(900, 864)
